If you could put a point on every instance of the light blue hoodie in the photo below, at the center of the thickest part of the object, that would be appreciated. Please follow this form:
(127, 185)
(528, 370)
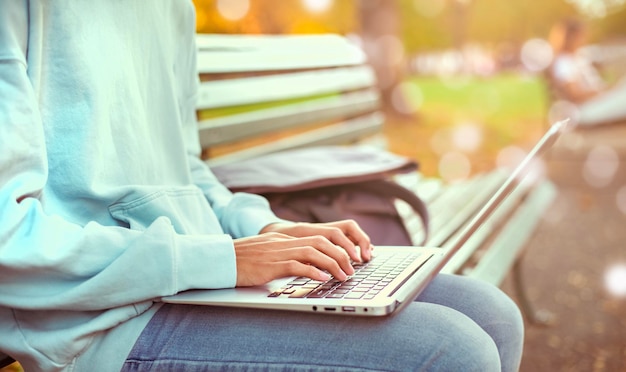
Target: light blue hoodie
(104, 204)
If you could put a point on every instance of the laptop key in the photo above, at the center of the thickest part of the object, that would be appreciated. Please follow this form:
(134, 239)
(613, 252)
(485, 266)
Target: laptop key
(300, 293)
(319, 293)
(354, 295)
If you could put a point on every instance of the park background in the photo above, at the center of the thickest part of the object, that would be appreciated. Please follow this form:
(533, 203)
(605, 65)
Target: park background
(462, 80)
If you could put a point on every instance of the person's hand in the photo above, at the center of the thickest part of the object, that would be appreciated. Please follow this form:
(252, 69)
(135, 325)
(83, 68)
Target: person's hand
(346, 234)
(299, 249)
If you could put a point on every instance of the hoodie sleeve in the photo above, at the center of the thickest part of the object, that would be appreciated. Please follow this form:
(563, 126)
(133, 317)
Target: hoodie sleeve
(240, 214)
(47, 262)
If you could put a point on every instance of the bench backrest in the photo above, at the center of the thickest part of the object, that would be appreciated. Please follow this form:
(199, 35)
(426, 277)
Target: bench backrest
(262, 94)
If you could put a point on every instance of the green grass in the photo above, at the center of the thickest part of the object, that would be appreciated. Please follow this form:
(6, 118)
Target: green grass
(509, 109)
(500, 102)
(233, 110)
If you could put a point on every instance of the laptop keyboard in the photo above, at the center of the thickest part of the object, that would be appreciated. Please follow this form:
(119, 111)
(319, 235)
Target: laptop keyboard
(368, 280)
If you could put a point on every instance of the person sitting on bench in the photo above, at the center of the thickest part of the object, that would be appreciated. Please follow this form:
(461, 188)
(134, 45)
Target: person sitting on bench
(106, 206)
(577, 81)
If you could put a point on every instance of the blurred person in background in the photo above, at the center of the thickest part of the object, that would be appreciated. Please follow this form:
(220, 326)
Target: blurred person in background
(577, 84)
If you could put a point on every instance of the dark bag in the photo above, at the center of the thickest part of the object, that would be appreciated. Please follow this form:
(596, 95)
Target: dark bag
(330, 183)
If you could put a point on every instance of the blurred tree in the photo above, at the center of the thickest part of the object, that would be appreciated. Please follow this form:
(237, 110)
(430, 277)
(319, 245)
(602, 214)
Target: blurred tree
(441, 24)
(381, 41)
(421, 24)
(273, 17)
(612, 27)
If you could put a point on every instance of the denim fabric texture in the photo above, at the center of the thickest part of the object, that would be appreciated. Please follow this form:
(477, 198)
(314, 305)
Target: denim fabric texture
(456, 324)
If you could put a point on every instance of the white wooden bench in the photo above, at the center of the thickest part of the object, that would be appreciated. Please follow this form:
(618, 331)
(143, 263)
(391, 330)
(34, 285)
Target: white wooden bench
(262, 94)
(272, 93)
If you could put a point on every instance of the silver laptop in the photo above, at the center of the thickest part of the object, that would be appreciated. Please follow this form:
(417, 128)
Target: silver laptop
(392, 279)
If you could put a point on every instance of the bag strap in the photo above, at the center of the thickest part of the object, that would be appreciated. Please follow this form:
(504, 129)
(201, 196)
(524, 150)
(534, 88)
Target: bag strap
(394, 190)
(383, 187)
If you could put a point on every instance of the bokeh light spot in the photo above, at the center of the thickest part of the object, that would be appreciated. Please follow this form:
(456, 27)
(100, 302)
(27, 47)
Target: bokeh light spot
(454, 166)
(233, 10)
(600, 166)
(317, 6)
(615, 280)
(467, 137)
(536, 54)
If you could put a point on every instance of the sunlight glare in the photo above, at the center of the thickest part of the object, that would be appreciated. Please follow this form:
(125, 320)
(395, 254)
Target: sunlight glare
(317, 6)
(615, 280)
(233, 10)
(597, 8)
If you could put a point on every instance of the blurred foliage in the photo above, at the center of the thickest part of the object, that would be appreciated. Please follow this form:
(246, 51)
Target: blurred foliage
(424, 24)
(485, 21)
(276, 17)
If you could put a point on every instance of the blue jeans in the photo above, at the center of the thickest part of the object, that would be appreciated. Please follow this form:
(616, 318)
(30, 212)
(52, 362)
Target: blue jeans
(456, 324)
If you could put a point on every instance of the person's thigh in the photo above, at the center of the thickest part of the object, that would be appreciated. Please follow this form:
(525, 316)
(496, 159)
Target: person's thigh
(424, 336)
(490, 308)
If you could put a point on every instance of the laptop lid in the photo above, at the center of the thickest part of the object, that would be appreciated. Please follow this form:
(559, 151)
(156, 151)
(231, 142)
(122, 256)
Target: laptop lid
(423, 265)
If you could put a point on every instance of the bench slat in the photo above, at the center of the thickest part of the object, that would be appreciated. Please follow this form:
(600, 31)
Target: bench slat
(497, 243)
(500, 256)
(243, 91)
(499, 218)
(460, 204)
(249, 124)
(454, 206)
(248, 53)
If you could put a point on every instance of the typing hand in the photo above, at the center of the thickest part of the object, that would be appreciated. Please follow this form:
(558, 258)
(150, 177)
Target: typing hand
(272, 255)
(346, 234)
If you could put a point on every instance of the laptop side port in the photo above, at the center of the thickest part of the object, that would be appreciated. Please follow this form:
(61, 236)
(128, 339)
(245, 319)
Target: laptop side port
(348, 309)
(330, 308)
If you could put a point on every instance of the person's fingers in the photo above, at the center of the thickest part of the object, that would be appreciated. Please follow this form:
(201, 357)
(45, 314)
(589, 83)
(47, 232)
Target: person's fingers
(353, 232)
(337, 236)
(314, 250)
(328, 248)
(252, 272)
(274, 236)
(345, 233)
(297, 268)
(255, 256)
